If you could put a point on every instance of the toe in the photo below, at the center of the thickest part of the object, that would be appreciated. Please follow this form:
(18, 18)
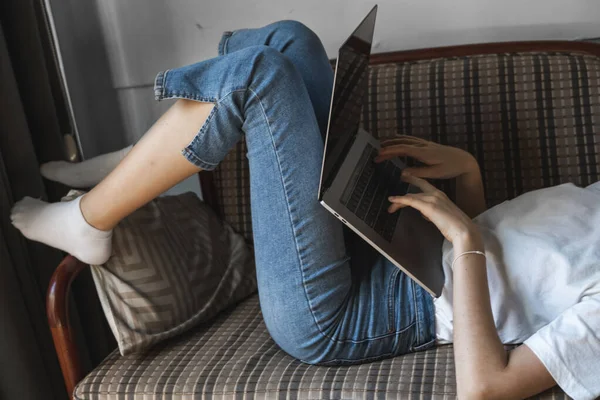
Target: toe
(18, 206)
(17, 221)
(24, 206)
(16, 212)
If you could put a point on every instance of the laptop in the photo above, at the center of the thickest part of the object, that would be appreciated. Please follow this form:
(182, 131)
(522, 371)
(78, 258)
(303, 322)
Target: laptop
(355, 189)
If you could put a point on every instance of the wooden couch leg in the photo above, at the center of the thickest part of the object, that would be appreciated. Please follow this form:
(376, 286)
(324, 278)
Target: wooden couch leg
(57, 310)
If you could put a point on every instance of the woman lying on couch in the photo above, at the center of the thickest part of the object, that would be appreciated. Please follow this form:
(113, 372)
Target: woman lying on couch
(526, 271)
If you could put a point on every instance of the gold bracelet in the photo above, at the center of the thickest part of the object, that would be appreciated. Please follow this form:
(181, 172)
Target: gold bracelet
(481, 253)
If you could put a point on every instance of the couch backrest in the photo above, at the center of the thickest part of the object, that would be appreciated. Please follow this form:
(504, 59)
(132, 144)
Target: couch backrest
(531, 119)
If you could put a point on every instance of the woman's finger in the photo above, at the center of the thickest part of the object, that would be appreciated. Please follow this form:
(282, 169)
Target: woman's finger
(400, 142)
(424, 197)
(411, 200)
(399, 151)
(397, 202)
(409, 196)
(401, 147)
(402, 136)
(422, 184)
(404, 139)
(395, 207)
(431, 171)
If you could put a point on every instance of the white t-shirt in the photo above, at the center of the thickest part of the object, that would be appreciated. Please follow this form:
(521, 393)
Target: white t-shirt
(543, 268)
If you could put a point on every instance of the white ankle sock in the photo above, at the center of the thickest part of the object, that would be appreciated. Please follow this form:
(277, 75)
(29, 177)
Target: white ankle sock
(84, 174)
(61, 225)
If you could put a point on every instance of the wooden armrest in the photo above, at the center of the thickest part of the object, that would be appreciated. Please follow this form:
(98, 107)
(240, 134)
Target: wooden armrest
(57, 310)
(486, 48)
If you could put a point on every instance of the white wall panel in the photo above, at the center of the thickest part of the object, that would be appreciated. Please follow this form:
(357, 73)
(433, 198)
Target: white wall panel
(146, 36)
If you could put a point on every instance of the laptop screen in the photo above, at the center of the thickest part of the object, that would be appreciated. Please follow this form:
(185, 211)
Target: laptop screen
(349, 91)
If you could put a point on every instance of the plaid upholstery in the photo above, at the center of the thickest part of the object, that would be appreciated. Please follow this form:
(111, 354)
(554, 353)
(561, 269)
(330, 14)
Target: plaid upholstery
(234, 357)
(532, 120)
(232, 183)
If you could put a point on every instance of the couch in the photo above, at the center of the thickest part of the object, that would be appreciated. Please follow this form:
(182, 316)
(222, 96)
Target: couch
(528, 111)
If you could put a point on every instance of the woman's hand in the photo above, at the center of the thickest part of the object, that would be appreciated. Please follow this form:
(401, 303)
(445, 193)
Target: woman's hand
(454, 224)
(443, 162)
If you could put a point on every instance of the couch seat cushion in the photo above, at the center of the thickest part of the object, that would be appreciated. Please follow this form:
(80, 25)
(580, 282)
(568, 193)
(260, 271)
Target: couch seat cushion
(234, 357)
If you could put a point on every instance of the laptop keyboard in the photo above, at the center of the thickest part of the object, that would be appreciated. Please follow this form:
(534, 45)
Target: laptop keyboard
(368, 189)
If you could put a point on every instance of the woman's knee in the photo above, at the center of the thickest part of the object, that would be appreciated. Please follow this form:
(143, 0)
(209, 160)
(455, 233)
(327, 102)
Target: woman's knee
(300, 336)
(313, 351)
(297, 31)
(270, 64)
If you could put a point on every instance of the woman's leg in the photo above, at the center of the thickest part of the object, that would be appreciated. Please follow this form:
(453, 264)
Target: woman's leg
(302, 47)
(154, 165)
(374, 278)
(84, 174)
(156, 156)
(311, 304)
(291, 38)
(83, 227)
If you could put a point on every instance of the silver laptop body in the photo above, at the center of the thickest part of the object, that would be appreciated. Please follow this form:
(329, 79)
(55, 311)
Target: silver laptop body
(356, 190)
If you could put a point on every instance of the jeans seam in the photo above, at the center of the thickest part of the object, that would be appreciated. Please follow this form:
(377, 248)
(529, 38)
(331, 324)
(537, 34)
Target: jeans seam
(196, 157)
(191, 155)
(417, 316)
(225, 41)
(371, 338)
(164, 83)
(347, 361)
(424, 346)
(197, 161)
(187, 150)
(391, 317)
(159, 85)
(285, 190)
(188, 96)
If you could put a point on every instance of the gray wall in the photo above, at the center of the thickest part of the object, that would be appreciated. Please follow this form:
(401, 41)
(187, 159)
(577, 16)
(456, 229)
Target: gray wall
(85, 65)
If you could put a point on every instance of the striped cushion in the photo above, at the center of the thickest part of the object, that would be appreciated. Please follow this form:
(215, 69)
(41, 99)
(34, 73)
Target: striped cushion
(531, 119)
(234, 357)
(175, 264)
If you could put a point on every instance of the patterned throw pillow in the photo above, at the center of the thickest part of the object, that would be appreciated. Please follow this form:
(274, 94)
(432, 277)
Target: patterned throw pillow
(174, 265)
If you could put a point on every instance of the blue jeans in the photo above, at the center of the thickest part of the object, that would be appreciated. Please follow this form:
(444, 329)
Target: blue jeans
(326, 296)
